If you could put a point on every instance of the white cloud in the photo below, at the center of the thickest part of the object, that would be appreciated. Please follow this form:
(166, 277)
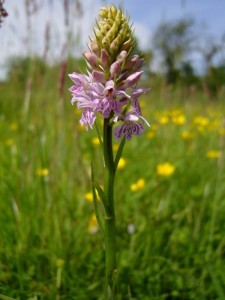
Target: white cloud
(143, 34)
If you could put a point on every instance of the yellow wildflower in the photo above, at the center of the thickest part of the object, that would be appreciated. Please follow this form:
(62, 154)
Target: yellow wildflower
(150, 134)
(201, 121)
(165, 169)
(89, 196)
(122, 163)
(222, 131)
(43, 172)
(139, 185)
(179, 119)
(80, 127)
(14, 126)
(154, 127)
(60, 263)
(215, 124)
(213, 154)
(9, 142)
(77, 112)
(93, 224)
(187, 135)
(175, 113)
(115, 147)
(95, 141)
(201, 128)
(163, 120)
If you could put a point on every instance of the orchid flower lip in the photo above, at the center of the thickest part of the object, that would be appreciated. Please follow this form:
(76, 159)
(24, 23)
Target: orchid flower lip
(133, 118)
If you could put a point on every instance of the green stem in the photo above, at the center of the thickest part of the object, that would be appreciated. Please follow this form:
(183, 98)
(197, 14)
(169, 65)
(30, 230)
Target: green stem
(110, 232)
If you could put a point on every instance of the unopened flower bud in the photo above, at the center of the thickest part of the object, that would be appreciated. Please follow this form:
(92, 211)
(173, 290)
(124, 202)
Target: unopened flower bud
(94, 48)
(138, 64)
(105, 60)
(91, 58)
(132, 80)
(105, 42)
(98, 36)
(127, 45)
(113, 10)
(99, 76)
(119, 15)
(115, 69)
(113, 32)
(114, 46)
(131, 63)
(103, 12)
(121, 57)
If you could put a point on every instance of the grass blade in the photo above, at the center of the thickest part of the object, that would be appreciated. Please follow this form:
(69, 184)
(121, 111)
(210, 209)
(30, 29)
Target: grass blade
(2, 297)
(95, 201)
(119, 153)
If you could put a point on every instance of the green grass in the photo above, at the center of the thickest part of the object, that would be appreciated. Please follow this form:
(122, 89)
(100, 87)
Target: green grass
(177, 250)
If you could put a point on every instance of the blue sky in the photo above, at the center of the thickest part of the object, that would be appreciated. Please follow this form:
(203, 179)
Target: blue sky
(145, 14)
(208, 14)
(151, 12)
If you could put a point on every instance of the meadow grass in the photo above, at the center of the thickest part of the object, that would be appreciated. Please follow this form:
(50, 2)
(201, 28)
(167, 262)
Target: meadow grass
(170, 223)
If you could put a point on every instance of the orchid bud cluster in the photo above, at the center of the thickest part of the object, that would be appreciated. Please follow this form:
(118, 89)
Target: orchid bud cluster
(110, 87)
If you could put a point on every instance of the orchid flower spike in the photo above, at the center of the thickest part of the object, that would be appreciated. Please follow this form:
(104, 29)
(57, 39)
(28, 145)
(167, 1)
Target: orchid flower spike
(110, 87)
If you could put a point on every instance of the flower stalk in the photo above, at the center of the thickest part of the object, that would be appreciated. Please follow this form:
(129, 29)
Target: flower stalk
(110, 231)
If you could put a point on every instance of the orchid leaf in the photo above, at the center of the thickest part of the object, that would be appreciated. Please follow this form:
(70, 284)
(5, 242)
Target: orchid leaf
(101, 195)
(96, 202)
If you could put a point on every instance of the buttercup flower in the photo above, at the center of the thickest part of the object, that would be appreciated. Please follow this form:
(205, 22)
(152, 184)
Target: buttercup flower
(89, 196)
(9, 142)
(187, 135)
(139, 185)
(163, 120)
(150, 134)
(93, 224)
(213, 154)
(201, 121)
(14, 126)
(122, 163)
(60, 263)
(43, 172)
(179, 119)
(222, 131)
(95, 141)
(165, 169)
